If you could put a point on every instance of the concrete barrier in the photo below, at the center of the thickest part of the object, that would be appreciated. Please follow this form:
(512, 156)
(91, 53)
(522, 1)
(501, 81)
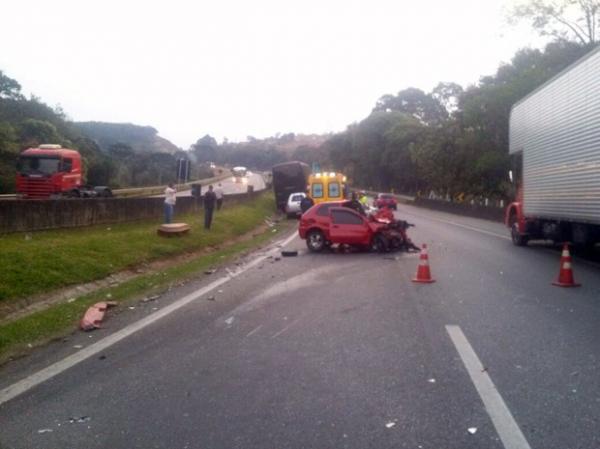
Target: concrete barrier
(35, 215)
(486, 213)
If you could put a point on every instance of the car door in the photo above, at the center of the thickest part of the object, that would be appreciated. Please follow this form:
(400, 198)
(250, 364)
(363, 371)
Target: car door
(348, 227)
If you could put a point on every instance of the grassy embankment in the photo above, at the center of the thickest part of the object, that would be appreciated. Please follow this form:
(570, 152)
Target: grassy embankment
(54, 259)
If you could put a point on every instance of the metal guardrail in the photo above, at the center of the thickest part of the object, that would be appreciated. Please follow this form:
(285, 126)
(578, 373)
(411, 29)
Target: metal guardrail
(148, 191)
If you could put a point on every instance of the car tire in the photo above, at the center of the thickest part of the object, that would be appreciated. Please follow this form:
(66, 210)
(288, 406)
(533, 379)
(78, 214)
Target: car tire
(315, 241)
(380, 244)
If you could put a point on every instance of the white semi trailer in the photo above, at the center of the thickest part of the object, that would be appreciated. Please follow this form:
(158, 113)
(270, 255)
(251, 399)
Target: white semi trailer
(556, 128)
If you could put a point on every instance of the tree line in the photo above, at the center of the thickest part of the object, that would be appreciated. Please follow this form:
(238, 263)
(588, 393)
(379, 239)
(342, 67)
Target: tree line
(118, 155)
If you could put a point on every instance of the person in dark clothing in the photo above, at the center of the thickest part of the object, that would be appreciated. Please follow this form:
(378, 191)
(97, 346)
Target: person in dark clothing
(210, 199)
(306, 203)
(355, 204)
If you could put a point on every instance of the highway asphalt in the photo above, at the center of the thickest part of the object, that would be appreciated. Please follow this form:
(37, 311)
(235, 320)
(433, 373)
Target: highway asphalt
(232, 186)
(334, 350)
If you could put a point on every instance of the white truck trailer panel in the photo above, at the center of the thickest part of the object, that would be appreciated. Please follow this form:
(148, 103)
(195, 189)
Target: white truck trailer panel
(557, 127)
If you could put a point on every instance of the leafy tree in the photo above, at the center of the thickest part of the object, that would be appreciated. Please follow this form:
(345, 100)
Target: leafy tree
(33, 132)
(205, 149)
(9, 88)
(563, 19)
(424, 107)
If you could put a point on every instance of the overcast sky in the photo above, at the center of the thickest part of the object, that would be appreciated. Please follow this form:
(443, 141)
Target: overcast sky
(238, 68)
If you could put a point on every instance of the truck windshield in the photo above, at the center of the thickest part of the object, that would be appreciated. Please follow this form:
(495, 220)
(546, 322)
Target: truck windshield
(38, 165)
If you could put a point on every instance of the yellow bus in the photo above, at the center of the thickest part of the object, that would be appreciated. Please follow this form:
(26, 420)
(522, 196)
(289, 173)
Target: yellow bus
(327, 187)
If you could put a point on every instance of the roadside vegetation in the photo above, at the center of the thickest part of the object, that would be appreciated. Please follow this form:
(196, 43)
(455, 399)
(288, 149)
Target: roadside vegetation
(19, 336)
(43, 261)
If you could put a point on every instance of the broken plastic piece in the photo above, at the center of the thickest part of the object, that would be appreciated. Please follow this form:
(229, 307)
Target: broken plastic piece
(94, 315)
(289, 253)
(45, 430)
(390, 425)
(472, 430)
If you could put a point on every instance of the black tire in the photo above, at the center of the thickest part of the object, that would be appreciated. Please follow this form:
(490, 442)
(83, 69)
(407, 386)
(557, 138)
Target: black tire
(517, 238)
(74, 194)
(380, 244)
(315, 241)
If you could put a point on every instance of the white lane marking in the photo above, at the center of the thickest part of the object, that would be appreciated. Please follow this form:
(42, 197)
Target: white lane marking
(43, 375)
(470, 228)
(285, 329)
(255, 330)
(503, 421)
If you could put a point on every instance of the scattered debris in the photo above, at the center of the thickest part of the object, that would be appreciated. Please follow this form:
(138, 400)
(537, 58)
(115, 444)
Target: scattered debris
(293, 253)
(274, 230)
(211, 298)
(131, 307)
(29, 345)
(94, 315)
(102, 357)
(79, 420)
(211, 271)
(108, 229)
(472, 430)
(71, 300)
(78, 346)
(229, 321)
(431, 381)
(45, 430)
(390, 425)
(219, 291)
(109, 295)
(484, 370)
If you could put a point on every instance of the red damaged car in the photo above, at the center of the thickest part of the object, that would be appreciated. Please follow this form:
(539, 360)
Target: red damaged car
(336, 223)
(386, 200)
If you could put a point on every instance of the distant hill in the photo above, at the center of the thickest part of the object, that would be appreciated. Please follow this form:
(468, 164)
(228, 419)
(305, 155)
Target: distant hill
(142, 139)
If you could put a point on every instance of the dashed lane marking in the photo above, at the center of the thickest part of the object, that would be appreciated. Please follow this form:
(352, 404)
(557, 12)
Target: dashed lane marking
(506, 426)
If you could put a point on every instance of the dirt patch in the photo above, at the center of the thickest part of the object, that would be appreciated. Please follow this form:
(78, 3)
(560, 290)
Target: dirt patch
(26, 306)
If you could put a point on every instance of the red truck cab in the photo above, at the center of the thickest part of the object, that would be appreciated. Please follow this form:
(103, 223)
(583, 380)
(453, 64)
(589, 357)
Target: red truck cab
(49, 170)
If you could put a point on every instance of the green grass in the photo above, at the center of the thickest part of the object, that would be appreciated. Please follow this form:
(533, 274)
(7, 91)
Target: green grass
(61, 319)
(58, 258)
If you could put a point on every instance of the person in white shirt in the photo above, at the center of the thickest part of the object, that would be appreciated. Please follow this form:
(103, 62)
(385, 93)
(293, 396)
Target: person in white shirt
(219, 194)
(170, 198)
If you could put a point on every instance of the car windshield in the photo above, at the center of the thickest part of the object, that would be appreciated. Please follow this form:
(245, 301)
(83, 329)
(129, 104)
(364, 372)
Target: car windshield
(38, 165)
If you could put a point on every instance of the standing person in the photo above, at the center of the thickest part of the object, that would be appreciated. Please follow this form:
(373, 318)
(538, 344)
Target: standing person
(210, 198)
(306, 203)
(170, 199)
(219, 194)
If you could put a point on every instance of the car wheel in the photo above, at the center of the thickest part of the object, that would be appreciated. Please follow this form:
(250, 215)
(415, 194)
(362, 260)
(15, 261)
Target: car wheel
(315, 241)
(380, 244)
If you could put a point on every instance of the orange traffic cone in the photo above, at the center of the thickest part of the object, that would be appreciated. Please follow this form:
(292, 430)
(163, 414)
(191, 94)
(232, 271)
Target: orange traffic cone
(565, 276)
(423, 273)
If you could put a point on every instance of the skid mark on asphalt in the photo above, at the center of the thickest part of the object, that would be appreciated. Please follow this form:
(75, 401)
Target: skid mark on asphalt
(255, 330)
(285, 329)
(507, 428)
